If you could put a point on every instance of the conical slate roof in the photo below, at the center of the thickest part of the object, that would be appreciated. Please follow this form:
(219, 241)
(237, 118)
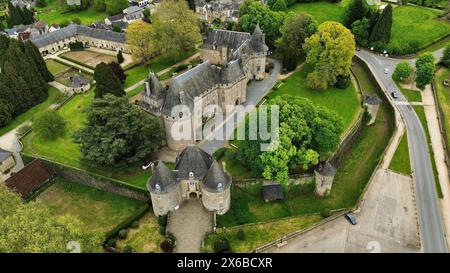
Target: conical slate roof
(258, 42)
(195, 160)
(231, 72)
(216, 179)
(162, 179)
(155, 88)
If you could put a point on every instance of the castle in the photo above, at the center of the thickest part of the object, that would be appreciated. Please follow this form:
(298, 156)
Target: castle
(196, 175)
(230, 59)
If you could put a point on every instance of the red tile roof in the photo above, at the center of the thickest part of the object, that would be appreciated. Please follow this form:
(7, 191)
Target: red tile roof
(29, 179)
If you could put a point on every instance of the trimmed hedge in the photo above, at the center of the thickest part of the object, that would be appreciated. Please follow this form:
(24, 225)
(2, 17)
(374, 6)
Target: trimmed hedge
(126, 223)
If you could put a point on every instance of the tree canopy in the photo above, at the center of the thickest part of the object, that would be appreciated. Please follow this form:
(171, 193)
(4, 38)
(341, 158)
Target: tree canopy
(424, 69)
(381, 32)
(106, 81)
(402, 71)
(330, 50)
(49, 125)
(118, 133)
(356, 10)
(139, 39)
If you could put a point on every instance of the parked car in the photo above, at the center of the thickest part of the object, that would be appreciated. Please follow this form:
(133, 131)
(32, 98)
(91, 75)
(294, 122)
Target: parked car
(351, 218)
(394, 95)
(386, 71)
(147, 166)
(358, 48)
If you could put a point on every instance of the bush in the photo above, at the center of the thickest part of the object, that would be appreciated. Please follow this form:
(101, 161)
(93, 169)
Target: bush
(123, 234)
(76, 20)
(127, 249)
(222, 245)
(220, 153)
(112, 242)
(343, 82)
(162, 221)
(22, 130)
(181, 67)
(76, 46)
(49, 125)
(166, 246)
(325, 213)
(120, 58)
(162, 230)
(240, 234)
(135, 224)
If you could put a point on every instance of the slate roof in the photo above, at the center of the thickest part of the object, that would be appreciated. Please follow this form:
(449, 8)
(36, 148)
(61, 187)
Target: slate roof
(216, 180)
(155, 88)
(326, 169)
(226, 38)
(132, 9)
(192, 83)
(116, 17)
(78, 81)
(73, 30)
(4, 154)
(195, 160)
(272, 192)
(29, 179)
(163, 178)
(231, 72)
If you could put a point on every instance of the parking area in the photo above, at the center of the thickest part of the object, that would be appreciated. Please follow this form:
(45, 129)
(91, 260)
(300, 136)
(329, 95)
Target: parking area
(387, 222)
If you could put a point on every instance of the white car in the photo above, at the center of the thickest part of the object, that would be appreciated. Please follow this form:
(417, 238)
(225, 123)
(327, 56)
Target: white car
(147, 166)
(386, 71)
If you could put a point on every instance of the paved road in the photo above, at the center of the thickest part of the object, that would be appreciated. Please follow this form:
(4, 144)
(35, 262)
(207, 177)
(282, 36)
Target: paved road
(255, 93)
(430, 220)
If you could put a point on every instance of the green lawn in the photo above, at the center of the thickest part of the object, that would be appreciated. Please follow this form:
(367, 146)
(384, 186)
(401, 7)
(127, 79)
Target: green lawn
(417, 23)
(53, 96)
(98, 210)
(146, 238)
(260, 234)
(421, 114)
(52, 14)
(443, 94)
(345, 102)
(412, 95)
(323, 11)
(401, 162)
(247, 205)
(55, 67)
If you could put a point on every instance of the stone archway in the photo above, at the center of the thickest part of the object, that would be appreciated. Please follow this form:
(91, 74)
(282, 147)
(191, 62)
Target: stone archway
(193, 195)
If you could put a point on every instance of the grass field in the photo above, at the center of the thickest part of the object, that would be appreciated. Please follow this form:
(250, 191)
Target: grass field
(88, 57)
(56, 68)
(247, 205)
(52, 13)
(401, 162)
(345, 102)
(98, 210)
(419, 24)
(323, 11)
(146, 238)
(53, 96)
(259, 234)
(443, 94)
(412, 95)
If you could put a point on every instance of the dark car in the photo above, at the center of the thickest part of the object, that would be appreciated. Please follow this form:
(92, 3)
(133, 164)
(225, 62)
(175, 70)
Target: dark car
(394, 95)
(351, 218)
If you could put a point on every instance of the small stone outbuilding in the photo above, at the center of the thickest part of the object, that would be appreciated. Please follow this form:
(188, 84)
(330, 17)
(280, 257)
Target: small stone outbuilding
(324, 178)
(79, 84)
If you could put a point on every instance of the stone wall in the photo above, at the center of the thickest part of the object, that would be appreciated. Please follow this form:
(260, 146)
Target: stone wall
(166, 202)
(216, 201)
(95, 181)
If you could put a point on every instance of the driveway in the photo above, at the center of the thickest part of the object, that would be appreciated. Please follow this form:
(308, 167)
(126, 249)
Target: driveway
(387, 222)
(189, 224)
(256, 91)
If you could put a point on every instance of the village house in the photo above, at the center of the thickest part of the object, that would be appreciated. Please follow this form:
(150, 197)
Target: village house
(129, 15)
(197, 175)
(7, 164)
(224, 10)
(230, 60)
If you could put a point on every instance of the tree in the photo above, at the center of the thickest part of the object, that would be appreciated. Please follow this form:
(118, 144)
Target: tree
(118, 133)
(118, 71)
(381, 31)
(306, 131)
(107, 82)
(33, 52)
(139, 38)
(356, 10)
(424, 70)
(330, 50)
(49, 125)
(115, 6)
(294, 31)
(361, 30)
(253, 12)
(279, 5)
(176, 28)
(31, 228)
(446, 56)
(120, 58)
(402, 71)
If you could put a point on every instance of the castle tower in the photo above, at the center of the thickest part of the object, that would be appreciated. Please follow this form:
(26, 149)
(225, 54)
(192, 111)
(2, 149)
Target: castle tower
(216, 189)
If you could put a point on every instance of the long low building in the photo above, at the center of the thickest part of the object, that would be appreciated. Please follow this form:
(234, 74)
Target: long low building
(57, 40)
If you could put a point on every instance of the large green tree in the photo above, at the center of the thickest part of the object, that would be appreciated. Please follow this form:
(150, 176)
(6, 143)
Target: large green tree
(49, 125)
(424, 70)
(31, 228)
(118, 133)
(361, 30)
(176, 28)
(115, 6)
(330, 50)
(446, 56)
(402, 71)
(106, 81)
(381, 32)
(253, 12)
(295, 29)
(356, 10)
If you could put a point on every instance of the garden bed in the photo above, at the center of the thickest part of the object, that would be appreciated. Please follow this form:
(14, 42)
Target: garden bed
(88, 58)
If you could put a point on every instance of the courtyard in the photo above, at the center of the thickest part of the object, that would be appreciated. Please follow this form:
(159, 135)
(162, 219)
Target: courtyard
(89, 58)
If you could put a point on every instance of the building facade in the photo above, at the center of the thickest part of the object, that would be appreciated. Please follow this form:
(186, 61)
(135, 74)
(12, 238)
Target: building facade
(196, 176)
(219, 83)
